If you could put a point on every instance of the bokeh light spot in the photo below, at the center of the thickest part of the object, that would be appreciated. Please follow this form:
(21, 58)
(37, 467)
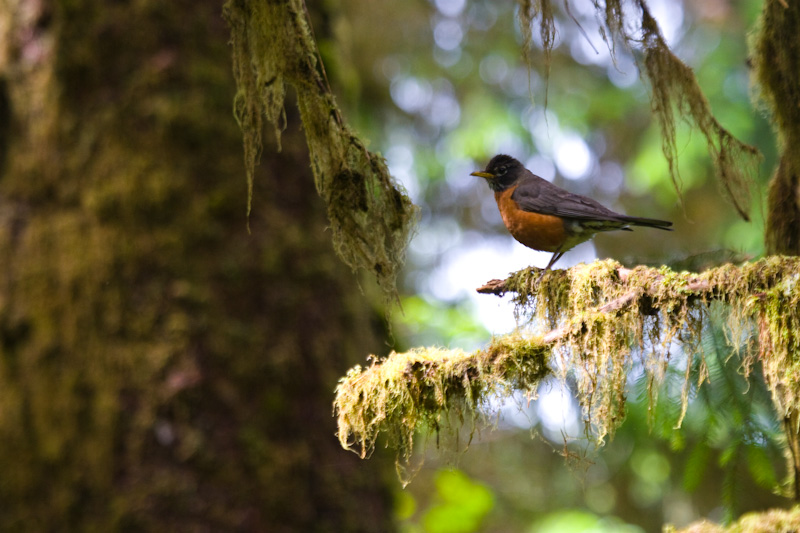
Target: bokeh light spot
(573, 156)
(448, 34)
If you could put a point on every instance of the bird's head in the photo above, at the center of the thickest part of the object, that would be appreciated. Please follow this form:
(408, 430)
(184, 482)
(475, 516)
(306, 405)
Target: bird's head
(501, 172)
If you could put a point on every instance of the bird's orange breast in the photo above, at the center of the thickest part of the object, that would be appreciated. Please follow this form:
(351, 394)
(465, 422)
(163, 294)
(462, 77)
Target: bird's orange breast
(534, 230)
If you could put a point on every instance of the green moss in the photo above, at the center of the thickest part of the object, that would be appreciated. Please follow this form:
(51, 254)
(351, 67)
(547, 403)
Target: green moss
(416, 390)
(370, 216)
(664, 307)
(133, 347)
(602, 318)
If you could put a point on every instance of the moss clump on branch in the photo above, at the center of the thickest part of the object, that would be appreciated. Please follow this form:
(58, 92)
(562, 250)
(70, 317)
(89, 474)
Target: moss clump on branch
(370, 216)
(601, 317)
(772, 521)
(415, 390)
(673, 88)
(602, 309)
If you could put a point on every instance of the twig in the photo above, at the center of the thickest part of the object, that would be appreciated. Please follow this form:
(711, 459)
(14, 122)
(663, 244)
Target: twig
(695, 285)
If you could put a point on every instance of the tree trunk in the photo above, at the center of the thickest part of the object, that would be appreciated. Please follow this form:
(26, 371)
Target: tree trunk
(161, 369)
(777, 62)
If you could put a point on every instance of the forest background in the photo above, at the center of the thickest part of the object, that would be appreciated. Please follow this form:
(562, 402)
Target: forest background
(167, 363)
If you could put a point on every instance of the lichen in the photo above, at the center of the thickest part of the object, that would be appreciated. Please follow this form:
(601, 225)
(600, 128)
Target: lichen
(602, 319)
(674, 89)
(370, 215)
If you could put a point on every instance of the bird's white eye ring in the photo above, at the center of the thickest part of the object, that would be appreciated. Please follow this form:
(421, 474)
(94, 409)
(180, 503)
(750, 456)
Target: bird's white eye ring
(501, 170)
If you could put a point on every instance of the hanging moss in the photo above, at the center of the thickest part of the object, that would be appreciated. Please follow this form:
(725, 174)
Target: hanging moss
(674, 88)
(408, 392)
(602, 318)
(530, 10)
(370, 216)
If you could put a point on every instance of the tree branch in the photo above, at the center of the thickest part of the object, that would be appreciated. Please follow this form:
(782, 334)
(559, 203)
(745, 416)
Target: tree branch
(599, 312)
(695, 284)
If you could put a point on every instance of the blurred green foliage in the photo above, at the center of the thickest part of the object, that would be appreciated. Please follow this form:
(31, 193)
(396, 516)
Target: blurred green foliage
(459, 505)
(577, 521)
(430, 322)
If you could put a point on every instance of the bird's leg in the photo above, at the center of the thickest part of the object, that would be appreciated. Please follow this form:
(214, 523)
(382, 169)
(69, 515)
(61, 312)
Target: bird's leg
(556, 256)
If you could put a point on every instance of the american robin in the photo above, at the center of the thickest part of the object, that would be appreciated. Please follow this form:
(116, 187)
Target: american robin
(545, 217)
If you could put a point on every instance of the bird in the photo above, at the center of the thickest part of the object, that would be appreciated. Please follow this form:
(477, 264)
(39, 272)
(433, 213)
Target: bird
(546, 217)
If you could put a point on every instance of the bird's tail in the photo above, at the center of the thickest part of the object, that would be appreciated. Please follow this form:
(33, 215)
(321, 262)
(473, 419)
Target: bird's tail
(648, 222)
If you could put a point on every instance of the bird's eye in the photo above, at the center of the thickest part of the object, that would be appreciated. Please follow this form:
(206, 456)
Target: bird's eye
(501, 170)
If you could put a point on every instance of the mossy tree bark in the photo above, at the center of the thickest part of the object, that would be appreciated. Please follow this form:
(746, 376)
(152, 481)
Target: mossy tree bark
(161, 369)
(777, 62)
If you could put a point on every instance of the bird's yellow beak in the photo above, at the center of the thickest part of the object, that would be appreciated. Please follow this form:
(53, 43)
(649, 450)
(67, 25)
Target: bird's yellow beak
(480, 174)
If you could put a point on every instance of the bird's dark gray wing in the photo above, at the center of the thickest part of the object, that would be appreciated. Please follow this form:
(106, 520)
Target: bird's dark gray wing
(540, 196)
(537, 195)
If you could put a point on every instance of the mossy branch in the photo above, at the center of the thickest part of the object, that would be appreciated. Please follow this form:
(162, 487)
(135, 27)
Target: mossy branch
(669, 306)
(674, 90)
(602, 318)
(370, 215)
(415, 390)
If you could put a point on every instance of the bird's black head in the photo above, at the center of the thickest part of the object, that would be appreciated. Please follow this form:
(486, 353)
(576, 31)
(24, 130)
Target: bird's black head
(501, 172)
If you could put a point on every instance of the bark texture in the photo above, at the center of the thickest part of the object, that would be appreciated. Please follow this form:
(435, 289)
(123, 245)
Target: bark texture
(161, 369)
(777, 70)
